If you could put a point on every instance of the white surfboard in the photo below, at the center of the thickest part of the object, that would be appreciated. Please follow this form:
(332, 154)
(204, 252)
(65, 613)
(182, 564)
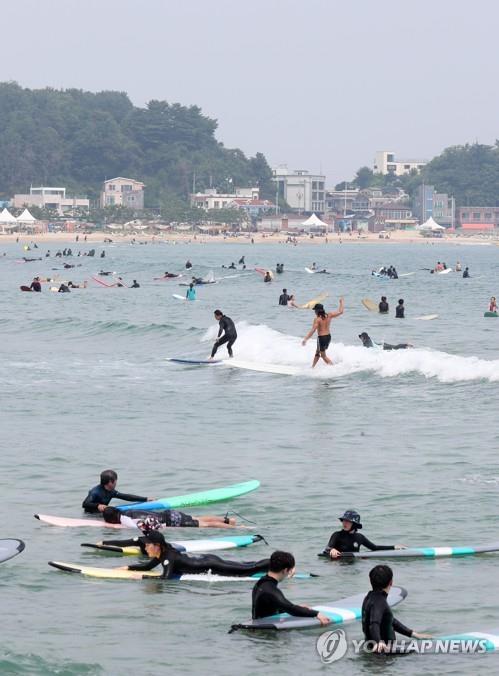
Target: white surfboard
(407, 274)
(310, 271)
(179, 297)
(262, 367)
(427, 317)
(445, 272)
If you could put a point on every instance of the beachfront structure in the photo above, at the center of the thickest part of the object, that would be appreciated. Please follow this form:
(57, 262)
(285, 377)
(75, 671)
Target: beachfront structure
(122, 192)
(304, 192)
(48, 197)
(427, 203)
(212, 199)
(385, 163)
(476, 217)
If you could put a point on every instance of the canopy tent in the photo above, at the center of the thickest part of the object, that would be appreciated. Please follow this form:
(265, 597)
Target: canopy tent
(26, 217)
(430, 224)
(314, 220)
(7, 217)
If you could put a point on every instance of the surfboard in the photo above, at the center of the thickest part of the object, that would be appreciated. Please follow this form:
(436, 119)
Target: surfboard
(310, 271)
(489, 642)
(490, 314)
(309, 305)
(117, 574)
(194, 361)
(427, 318)
(102, 283)
(68, 522)
(370, 305)
(179, 297)
(339, 612)
(25, 288)
(194, 499)
(261, 367)
(10, 547)
(407, 274)
(263, 272)
(188, 546)
(420, 552)
(445, 272)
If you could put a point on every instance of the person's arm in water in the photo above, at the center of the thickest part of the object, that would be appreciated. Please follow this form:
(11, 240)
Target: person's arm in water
(365, 542)
(339, 311)
(284, 606)
(311, 332)
(130, 498)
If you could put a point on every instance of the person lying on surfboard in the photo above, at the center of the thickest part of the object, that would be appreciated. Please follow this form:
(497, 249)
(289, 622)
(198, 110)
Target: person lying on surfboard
(100, 496)
(321, 324)
(170, 518)
(349, 540)
(378, 623)
(174, 563)
(367, 341)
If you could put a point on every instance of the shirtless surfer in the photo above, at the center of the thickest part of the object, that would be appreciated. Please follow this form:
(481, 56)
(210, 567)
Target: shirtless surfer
(321, 324)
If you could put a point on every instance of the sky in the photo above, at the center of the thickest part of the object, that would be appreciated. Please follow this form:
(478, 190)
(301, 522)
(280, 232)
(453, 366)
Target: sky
(318, 84)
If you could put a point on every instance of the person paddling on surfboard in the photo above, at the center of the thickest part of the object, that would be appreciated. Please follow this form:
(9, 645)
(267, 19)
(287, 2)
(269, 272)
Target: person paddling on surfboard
(227, 327)
(100, 496)
(367, 341)
(378, 623)
(268, 599)
(174, 563)
(170, 518)
(321, 324)
(349, 540)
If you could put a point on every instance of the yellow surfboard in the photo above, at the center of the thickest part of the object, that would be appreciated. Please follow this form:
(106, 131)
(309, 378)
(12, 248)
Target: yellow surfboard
(309, 305)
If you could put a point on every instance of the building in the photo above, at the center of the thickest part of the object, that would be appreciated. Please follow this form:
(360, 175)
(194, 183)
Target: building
(392, 216)
(478, 216)
(212, 199)
(304, 192)
(46, 197)
(430, 204)
(122, 192)
(444, 209)
(385, 163)
(253, 207)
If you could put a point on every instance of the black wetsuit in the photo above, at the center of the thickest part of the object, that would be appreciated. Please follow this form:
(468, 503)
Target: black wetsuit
(177, 563)
(230, 335)
(367, 342)
(35, 286)
(383, 307)
(400, 312)
(378, 623)
(139, 541)
(168, 517)
(466, 274)
(283, 299)
(99, 495)
(268, 599)
(351, 541)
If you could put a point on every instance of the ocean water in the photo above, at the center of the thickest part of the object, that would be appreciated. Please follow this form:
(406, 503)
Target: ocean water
(409, 439)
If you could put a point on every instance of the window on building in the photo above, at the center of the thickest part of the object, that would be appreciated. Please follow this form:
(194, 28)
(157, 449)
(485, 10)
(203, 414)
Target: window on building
(488, 216)
(407, 167)
(391, 167)
(390, 157)
(464, 214)
(321, 185)
(126, 188)
(476, 215)
(111, 187)
(314, 196)
(216, 204)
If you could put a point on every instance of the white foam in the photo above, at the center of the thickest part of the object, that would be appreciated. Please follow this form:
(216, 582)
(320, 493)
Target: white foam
(260, 343)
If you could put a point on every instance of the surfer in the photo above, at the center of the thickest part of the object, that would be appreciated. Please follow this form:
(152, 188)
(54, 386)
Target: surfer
(322, 324)
(170, 518)
(458, 267)
(35, 285)
(191, 292)
(313, 267)
(466, 273)
(227, 327)
(174, 563)
(368, 342)
(284, 298)
(400, 309)
(188, 264)
(64, 288)
(169, 275)
(349, 540)
(493, 304)
(100, 496)
(383, 306)
(241, 261)
(378, 623)
(267, 598)
(135, 285)
(267, 277)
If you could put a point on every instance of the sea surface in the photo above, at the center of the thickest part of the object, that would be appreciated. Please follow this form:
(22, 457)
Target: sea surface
(409, 439)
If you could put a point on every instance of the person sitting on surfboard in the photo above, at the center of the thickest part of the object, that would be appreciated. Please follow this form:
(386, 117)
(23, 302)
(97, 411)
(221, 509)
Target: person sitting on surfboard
(100, 496)
(227, 327)
(170, 518)
(383, 306)
(174, 563)
(493, 305)
(321, 324)
(378, 623)
(368, 342)
(349, 540)
(267, 277)
(268, 599)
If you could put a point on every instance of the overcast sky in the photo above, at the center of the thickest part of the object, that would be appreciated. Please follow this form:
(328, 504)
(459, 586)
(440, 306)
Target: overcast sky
(316, 84)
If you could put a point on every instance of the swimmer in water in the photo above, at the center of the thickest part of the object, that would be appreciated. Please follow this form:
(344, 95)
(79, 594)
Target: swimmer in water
(349, 540)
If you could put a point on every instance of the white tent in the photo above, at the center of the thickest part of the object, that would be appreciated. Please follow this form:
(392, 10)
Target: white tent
(431, 225)
(7, 217)
(26, 217)
(314, 220)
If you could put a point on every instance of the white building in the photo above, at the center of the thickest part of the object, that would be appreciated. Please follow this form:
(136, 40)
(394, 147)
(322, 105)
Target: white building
(122, 192)
(385, 163)
(211, 199)
(47, 197)
(301, 190)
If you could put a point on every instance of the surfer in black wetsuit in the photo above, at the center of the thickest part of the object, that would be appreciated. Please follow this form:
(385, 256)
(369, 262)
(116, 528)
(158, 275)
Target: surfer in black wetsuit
(368, 342)
(283, 298)
(100, 496)
(228, 328)
(383, 306)
(174, 563)
(135, 285)
(188, 264)
(378, 623)
(267, 598)
(400, 310)
(348, 540)
(466, 273)
(35, 285)
(168, 518)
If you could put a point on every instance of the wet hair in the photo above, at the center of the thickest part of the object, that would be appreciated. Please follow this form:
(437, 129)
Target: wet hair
(285, 291)
(380, 577)
(401, 301)
(383, 298)
(280, 561)
(108, 475)
(218, 313)
(319, 310)
(156, 538)
(112, 515)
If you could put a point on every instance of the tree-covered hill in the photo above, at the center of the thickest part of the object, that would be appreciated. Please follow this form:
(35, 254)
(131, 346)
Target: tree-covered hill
(78, 139)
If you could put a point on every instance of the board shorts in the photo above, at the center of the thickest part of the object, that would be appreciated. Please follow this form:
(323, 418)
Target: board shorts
(323, 343)
(181, 520)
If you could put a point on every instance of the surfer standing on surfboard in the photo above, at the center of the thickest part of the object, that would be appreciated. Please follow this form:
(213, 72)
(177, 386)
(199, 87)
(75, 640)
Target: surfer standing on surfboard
(321, 324)
(228, 329)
